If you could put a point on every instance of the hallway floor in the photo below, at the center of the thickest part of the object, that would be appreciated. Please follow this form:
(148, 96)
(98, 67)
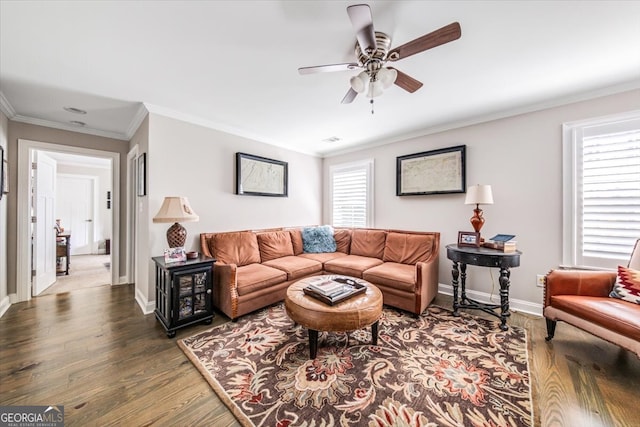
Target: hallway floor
(85, 271)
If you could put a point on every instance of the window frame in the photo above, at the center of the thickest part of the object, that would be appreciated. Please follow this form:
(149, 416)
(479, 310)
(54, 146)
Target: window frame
(368, 166)
(572, 135)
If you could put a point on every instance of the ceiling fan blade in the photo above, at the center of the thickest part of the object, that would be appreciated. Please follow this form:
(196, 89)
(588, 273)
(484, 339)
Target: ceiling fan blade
(349, 97)
(362, 21)
(406, 82)
(328, 68)
(444, 35)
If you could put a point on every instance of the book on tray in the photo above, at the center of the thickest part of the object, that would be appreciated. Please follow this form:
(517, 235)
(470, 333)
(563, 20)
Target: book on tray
(333, 290)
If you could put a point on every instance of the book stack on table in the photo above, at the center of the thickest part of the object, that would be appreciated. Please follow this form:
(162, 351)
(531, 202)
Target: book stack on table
(502, 242)
(334, 290)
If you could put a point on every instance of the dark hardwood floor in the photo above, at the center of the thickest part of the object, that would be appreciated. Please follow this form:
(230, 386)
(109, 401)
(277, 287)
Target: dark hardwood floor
(94, 352)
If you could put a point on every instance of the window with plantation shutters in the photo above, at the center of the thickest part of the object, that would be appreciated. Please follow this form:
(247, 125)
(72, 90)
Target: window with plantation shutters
(601, 191)
(351, 194)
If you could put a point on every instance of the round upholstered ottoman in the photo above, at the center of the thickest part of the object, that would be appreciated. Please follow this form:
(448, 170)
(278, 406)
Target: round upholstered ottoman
(357, 312)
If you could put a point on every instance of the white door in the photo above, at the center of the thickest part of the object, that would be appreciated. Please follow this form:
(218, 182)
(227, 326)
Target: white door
(44, 238)
(75, 209)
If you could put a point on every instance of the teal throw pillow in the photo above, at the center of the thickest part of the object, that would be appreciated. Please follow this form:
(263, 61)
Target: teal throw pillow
(318, 239)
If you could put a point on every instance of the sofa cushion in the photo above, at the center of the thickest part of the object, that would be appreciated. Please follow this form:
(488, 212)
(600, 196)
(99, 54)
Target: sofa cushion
(393, 275)
(627, 286)
(351, 265)
(368, 243)
(343, 240)
(318, 239)
(610, 313)
(274, 244)
(254, 277)
(323, 257)
(295, 266)
(296, 241)
(407, 248)
(239, 248)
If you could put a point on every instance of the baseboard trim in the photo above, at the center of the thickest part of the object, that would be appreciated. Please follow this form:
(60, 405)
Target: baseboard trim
(4, 305)
(147, 307)
(514, 304)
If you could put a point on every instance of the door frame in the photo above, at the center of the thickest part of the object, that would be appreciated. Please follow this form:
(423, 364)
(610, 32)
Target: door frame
(132, 215)
(94, 203)
(23, 267)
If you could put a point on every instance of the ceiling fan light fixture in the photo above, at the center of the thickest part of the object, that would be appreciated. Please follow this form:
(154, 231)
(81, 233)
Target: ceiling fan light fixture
(359, 82)
(387, 77)
(375, 89)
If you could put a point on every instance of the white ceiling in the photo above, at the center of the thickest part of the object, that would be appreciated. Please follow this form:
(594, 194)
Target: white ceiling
(232, 65)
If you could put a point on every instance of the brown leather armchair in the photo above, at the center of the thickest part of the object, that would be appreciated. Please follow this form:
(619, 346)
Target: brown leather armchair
(581, 298)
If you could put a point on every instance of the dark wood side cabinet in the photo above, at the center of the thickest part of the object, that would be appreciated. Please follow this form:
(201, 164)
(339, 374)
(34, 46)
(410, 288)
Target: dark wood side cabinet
(63, 253)
(183, 292)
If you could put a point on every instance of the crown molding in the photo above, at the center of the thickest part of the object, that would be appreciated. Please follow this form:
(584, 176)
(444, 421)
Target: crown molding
(6, 107)
(221, 127)
(136, 121)
(69, 127)
(502, 114)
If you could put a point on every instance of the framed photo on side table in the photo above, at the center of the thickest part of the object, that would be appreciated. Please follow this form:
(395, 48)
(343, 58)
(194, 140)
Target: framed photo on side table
(469, 238)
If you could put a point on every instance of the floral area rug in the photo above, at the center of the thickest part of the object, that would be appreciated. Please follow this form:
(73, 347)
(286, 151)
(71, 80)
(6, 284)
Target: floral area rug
(435, 370)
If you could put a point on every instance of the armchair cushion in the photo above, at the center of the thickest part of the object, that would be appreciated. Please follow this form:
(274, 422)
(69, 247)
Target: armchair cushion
(627, 287)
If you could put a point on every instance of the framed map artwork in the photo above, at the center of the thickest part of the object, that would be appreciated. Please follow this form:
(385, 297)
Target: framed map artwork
(431, 172)
(259, 176)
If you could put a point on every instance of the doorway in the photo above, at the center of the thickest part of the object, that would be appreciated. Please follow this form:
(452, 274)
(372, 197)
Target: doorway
(26, 149)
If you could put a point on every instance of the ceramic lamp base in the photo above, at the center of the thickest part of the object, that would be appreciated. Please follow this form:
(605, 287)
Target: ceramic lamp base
(477, 221)
(176, 236)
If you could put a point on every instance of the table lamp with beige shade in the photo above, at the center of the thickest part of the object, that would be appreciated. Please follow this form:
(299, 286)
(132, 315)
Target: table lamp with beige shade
(176, 209)
(478, 195)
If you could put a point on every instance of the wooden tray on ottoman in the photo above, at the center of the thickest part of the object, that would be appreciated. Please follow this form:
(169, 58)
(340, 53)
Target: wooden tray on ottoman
(350, 288)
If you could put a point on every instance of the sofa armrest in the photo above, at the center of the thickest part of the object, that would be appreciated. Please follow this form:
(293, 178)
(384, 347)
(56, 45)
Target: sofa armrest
(225, 290)
(426, 283)
(578, 282)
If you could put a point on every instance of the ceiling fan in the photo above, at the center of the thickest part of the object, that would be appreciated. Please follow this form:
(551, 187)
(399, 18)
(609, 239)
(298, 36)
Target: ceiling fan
(372, 54)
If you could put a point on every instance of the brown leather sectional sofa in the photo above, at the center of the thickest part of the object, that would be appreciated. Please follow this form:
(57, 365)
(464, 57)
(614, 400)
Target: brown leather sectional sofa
(254, 268)
(581, 298)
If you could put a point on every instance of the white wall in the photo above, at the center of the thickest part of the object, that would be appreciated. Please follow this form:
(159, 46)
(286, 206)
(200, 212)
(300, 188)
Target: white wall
(188, 160)
(102, 215)
(521, 158)
(4, 295)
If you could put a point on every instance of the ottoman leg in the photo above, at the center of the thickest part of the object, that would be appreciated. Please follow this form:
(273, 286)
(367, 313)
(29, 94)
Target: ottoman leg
(374, 333)
(313, 343)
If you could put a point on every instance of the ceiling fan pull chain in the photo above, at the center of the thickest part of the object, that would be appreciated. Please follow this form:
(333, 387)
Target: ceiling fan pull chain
(371, 106)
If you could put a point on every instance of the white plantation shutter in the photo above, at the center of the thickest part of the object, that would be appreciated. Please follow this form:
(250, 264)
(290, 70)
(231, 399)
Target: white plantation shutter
(351, 194)
(606, 193)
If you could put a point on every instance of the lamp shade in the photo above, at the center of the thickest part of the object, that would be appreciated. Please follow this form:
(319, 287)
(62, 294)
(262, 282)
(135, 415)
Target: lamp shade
(175, 209)
(479, 195)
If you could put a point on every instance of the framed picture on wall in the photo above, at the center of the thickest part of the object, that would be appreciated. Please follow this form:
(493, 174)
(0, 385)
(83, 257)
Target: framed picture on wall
(439, 171)
(1, 171)
(4, 174)
(259, 176)
(142, 175)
